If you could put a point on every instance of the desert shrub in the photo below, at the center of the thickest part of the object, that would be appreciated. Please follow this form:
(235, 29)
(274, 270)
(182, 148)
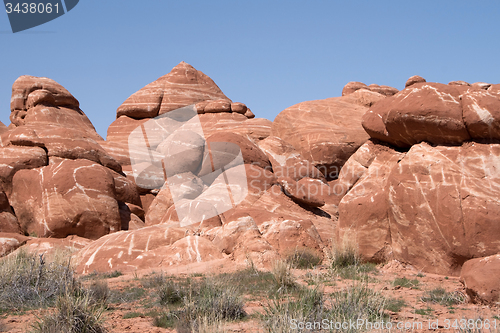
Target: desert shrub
(345, 253)
(127, 295)
(306, 306)
(355, 272)
(76, 312)
(304, 258)
(394, 305)
(406, 283)
(30, 281)
(357, 302)
(165, 320)
(170, 293)
(203, 304)
(153, 280)
(99, 292)
(251, 281)
(441, 296)
(282, 275)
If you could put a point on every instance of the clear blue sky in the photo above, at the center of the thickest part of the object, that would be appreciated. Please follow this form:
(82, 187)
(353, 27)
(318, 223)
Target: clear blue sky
(267, 54)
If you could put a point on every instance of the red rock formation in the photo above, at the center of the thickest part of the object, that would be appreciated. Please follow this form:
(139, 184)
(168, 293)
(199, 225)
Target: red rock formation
(481, 279)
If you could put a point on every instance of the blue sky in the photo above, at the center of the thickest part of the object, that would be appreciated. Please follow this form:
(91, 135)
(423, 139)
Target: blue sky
(267, 54)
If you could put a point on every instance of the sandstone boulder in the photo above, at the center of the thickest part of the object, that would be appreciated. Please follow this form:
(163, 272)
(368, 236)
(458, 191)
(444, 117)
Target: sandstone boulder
(73, 197)
(433, 207)
(429, 112)
(10, 242)
(325, 132)
(414, 79)
(481, 279)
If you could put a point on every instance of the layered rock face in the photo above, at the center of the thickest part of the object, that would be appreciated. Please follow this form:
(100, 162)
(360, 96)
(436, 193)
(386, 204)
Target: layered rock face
(326, 132)
(216, 184)
(56, 179)
(425, 189)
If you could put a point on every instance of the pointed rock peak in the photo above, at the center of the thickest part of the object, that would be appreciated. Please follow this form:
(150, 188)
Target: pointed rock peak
(183, 86)
(184, 73)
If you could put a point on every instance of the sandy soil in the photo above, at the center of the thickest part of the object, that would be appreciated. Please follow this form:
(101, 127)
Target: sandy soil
(381, 280)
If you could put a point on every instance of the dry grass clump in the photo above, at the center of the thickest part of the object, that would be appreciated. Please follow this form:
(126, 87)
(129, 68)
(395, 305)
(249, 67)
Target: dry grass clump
(282, 274)
(357, 302)
(200, 306)
(76, 312)
(304, 258)
(30, 281)
(345, 253)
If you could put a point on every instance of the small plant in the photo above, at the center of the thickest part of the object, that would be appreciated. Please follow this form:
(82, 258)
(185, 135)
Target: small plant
(75, 312)
(251, 281)
(303, 258)
(441, 296)
(165, 320)
(345, 253)
(420, 275)
(154, 280)
(405, 283)
(128, 295)
(31, 281)
(424, 312)
(170, 293)
(130, 315)
(99, 292)
(356, 272)
(282, 274)
(394, 305)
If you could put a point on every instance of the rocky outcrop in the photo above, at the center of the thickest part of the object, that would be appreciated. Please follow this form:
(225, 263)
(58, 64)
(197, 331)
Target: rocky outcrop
(53, 170)
(354, 86)
(435, 113)
(481, 279)
(73, 197)
(433, 203)
(324, 132)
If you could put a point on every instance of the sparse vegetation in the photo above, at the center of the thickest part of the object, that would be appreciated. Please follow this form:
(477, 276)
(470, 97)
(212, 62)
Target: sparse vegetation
(203, 304)
(282, 275)
(353, 303)
(75, 312)
(405, 283)
(304, 258)
(130, 315)
(345, 253)
(394, 305)
(424, 312)
(441, 296)
(29, 281)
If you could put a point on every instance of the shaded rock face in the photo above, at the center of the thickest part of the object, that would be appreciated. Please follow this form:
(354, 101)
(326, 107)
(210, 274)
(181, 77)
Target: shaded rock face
(481, 279)
(325, 132)
(435, 113)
